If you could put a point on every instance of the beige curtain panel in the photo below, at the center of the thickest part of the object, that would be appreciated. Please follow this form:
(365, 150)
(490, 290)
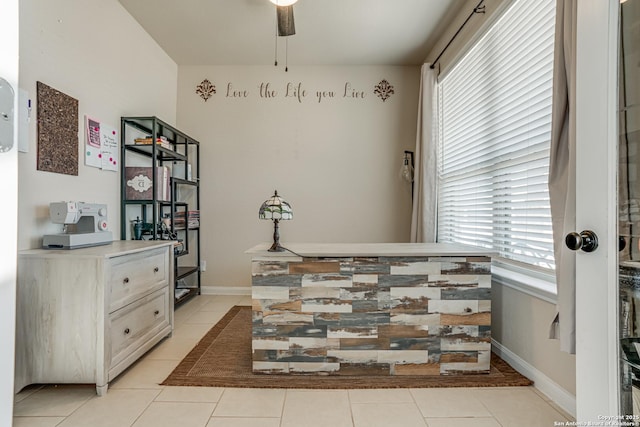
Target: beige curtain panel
(562, 172)
(425, 186)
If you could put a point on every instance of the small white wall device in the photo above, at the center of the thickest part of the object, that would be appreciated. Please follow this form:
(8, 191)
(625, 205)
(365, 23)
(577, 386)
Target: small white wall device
(7, 99)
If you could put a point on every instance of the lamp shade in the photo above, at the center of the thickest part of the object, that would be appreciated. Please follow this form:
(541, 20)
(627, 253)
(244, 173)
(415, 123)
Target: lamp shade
(275, 208)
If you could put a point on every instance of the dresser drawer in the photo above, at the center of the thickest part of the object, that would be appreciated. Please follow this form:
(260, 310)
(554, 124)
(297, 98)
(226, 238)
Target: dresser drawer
(133, 325)
(133, 276)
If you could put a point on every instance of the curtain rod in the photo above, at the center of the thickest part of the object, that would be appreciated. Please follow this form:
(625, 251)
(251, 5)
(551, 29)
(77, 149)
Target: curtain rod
(478, 9)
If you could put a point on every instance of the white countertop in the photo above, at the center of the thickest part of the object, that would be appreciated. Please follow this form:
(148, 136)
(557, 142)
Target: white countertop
(369, 249)
(115, 248)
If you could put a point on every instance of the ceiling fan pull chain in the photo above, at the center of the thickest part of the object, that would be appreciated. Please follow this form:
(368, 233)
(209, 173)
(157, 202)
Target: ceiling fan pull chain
(276, 47)
(286, 55)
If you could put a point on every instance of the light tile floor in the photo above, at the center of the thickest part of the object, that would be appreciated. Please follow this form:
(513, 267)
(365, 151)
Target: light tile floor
(135, 398)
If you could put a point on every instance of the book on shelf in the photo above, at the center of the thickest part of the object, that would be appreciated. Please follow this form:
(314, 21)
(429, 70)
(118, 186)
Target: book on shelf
(184, 219)
(162, 141)
(180, 292)
(138, 183)
(193, 219)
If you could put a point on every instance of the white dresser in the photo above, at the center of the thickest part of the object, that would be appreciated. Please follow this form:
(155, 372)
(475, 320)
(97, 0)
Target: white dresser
(85, 315)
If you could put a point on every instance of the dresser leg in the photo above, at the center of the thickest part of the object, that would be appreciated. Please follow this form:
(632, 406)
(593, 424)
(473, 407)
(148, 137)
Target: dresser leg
(101, 390)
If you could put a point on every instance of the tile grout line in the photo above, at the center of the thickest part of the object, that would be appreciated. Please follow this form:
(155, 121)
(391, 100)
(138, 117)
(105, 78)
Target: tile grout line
(493, 416)
(145, 409)
(353, 421)
(413, 398)
(224, 390)
(284, 402)
(72, 412)
(160, 390)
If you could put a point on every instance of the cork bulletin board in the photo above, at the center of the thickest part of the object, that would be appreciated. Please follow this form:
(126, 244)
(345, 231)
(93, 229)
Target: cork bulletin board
(57, 131)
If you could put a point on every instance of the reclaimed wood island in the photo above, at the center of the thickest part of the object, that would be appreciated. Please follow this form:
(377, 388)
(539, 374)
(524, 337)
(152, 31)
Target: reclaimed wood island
(383, 309)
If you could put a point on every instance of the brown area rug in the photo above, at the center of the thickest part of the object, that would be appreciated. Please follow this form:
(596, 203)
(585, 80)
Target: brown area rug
(223, 359)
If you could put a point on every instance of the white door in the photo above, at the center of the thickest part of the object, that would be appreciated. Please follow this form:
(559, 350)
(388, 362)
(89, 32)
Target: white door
(8, 213)
(597, 392)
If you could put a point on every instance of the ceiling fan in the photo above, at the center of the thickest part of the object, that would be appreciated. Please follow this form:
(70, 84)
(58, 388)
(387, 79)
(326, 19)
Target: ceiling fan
(286, 25)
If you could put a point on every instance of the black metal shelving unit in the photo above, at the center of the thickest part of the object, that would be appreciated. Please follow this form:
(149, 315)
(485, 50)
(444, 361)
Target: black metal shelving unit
(182, 154)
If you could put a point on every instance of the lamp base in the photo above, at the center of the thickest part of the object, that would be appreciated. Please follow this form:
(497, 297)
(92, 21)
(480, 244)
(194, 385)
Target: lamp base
(276, 238)
(276, 248)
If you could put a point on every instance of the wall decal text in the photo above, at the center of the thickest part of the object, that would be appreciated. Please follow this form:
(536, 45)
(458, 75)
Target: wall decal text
(297, 92)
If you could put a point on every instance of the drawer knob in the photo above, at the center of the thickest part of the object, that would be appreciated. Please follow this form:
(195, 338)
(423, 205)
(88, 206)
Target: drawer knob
(126, 331)
(126, 280)
(155, 270)
(156, 312)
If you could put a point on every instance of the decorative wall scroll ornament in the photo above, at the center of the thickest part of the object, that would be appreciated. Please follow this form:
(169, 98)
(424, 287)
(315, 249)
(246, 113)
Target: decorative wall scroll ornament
(205, 89)
(384, 90)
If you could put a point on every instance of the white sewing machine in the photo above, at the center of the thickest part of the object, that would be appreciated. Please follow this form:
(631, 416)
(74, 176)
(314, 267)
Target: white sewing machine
(85, 224)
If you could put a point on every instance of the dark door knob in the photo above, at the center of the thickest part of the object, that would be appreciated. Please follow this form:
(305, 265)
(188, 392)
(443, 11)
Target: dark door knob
(587, 241)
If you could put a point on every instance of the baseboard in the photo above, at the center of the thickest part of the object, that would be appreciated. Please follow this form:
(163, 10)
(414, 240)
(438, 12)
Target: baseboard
(561, 397)
(226, 290)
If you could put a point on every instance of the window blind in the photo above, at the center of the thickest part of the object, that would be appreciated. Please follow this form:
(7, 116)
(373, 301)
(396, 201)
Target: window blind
(494, 130)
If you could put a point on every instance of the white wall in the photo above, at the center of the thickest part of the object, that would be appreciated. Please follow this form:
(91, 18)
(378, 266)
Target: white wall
(96, 52)
(336, 161)
(8, 217)
(521, 323)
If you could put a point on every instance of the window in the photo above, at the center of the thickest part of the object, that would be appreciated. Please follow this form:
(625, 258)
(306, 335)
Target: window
(494, 129)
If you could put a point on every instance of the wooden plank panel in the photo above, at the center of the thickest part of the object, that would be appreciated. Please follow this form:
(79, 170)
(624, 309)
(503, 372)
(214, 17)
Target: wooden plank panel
(314, 267)
(458, 357)
(292, 280)
(382, 369)
(364, 344)
(264, 268)
(468, 319)
(431, 344)
(403, 331)
(418, 369)
(404, 280)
